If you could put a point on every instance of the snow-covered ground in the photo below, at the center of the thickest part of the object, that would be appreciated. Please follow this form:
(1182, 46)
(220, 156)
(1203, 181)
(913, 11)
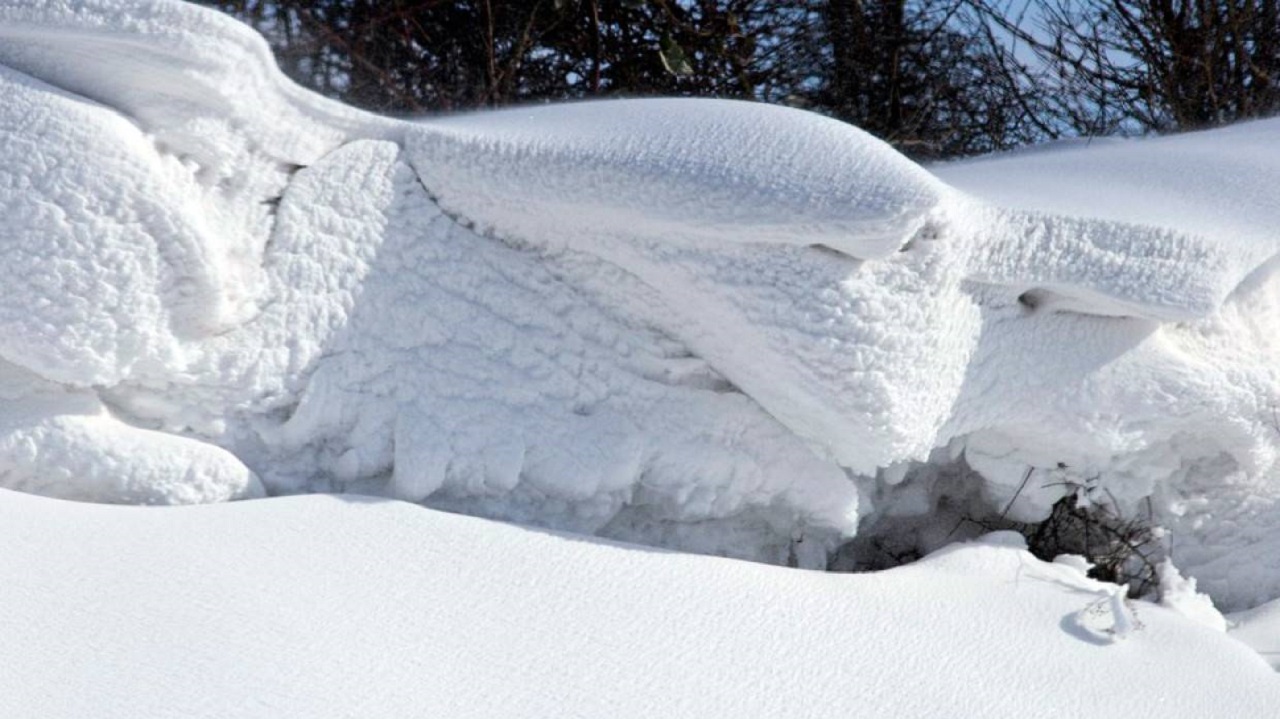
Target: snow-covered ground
(330, 607)
(705, 326)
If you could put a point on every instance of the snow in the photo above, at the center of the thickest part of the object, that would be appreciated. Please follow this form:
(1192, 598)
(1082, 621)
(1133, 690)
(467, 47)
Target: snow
(673, 170)
(616, 318)
(327, 325)
(705, 326)
(1214, 184)
(328, 607)
(1179, 594)
(1217, 492)
(1259, 628)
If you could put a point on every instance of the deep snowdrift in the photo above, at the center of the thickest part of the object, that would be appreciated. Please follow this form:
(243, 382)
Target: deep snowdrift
(709, 326)
(319, 607)
(704, 325)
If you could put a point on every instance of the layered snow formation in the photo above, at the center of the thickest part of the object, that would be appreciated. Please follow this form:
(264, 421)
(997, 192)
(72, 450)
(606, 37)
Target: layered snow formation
(317, 607)
(705, 325)
(1190, 409)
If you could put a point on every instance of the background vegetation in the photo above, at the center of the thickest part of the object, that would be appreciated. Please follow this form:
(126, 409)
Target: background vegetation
(936, 78)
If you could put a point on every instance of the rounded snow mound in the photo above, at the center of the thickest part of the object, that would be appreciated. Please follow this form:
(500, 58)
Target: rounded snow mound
(673, 170)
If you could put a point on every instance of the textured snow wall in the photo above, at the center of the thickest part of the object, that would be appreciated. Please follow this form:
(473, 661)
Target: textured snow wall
(708, 325)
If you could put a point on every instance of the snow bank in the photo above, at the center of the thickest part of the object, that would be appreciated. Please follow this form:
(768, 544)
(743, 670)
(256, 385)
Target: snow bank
(1214, 184)
(674, 170)
(1197, 399)
(705, 325)
(323, 607)
(248, 268)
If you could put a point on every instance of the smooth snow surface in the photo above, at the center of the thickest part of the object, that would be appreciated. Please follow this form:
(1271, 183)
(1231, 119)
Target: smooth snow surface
(1260, 628)
(702, 325)
(674, 171)
(1217, 184)
(323, 607)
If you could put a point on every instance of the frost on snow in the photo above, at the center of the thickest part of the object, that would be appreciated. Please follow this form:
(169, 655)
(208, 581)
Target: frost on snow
(708, 325)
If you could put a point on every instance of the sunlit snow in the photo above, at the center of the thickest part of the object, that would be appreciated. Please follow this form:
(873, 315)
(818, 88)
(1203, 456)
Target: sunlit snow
(706, 326)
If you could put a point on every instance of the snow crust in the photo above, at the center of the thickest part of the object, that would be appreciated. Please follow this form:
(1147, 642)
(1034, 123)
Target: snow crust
(697, 324)
(1213, 480)
(1214, 184)
(328, 607)
(674, 170)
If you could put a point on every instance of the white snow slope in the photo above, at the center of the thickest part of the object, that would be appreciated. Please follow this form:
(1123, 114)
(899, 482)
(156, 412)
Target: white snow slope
(323, 607)
(710, 326)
